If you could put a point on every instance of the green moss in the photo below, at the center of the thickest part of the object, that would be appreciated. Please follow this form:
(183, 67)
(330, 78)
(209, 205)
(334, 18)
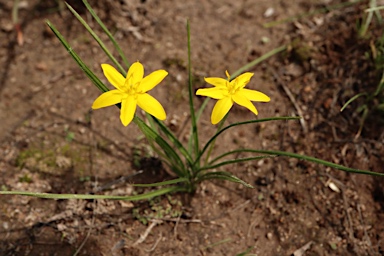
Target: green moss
(301, 51)
(168, 62)
(25, 178)
(23, 155)
(159, 208)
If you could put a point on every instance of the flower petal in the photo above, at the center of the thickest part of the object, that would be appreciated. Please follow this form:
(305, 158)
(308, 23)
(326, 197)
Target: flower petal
(153, 79)
(128, 109)
(113, 76)
(240, 99)
(220, 109)
(216, 81)
(135, 74)
(255, 95)
(242, 80)
(216, 92)
(150, 105)
(108, 99)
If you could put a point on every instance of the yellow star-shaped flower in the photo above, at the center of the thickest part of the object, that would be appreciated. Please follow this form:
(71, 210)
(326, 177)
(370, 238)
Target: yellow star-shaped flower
(227, 92)
(131, 92)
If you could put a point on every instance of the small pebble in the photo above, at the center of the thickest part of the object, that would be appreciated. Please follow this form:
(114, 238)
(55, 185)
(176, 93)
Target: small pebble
(269, 12)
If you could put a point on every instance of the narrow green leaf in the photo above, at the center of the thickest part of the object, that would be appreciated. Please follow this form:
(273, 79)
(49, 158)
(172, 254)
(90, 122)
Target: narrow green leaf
(95, 80)
(380, 86)
(174, 140)
(352, 99)
(211, 140)
(163, 183)
(98, 40)
(151, 122)
(314, 160)
(237, 151)
(198, 115)
(221, 124)
(191, 93)
(168, 150)
(258, 60)
(233, 161)
(106, 31)
(144, 196)
(246, 253)
(222, 176)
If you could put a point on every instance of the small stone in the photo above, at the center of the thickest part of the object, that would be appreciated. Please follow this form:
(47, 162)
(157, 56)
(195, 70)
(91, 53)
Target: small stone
(269, 235)
(7, 26)
(269, 12)
(42, 66)
(63, 162)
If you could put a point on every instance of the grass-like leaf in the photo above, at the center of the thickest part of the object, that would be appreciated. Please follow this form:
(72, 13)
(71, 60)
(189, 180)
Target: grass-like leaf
(107, 32)
(257, 61)
(213, 138)
(95, 80)
(176, 162)
(222, 176)
(144, 196)
(98, 40)
(233, 161)
(174, 140)
(352, 99)
(314, 160)
(191, 93)
(163, 183)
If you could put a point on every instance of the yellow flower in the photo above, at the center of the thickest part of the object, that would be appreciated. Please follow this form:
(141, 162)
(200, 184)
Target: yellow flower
(132, 91)
(227, 92)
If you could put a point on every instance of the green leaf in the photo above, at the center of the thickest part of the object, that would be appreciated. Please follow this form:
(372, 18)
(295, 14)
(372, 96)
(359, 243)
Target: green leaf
(98, 40)
(95, 80)
(222, 176)
(246, 253)
(176, 162)
(106, 31)
(257, 61)
(211, 140)
(148, 195)
(237, 151)
(233, 161)
(191, 94)
(314, 160)
(174, 140)
(163, 183)
(352, 99)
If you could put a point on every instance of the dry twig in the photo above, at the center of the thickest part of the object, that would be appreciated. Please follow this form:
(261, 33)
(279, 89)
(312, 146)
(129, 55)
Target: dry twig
(147, 231)
(155, 244)
(291, 98)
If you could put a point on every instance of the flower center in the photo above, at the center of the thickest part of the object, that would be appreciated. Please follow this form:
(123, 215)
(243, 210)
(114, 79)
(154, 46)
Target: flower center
(232, 87)
(130, 88)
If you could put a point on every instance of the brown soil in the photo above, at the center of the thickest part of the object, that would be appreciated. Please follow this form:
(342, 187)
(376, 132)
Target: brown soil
(50, 141)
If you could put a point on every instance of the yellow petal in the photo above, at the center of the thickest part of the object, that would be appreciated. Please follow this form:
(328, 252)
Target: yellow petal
(255, 95)
(135, 73)
(215, 92)
(220, 109)
(216, 81)
(153, 79)
(243, 101)
(242, 80)
(128, 109)
(108, 99)
(150, 105)
(113, 76)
